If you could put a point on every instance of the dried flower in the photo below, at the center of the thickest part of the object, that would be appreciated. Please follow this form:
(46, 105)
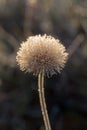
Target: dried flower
(40, 53)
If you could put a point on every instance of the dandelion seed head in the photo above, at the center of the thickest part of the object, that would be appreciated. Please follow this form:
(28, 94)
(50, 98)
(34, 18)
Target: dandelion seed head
(40, 53)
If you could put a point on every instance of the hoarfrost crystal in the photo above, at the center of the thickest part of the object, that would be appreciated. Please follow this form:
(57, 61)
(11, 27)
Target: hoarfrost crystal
(40, 53)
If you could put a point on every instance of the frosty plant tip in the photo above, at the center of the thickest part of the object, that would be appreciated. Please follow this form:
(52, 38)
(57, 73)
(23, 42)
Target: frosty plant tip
(42, 55)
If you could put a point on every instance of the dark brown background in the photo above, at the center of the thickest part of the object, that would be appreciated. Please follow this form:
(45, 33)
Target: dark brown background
(66, 94)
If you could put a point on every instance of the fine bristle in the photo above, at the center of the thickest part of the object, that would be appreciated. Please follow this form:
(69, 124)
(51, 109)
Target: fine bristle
(41, 52)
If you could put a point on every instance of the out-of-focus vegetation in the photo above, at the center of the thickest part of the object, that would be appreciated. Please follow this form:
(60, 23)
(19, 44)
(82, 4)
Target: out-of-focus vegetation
(66, 94)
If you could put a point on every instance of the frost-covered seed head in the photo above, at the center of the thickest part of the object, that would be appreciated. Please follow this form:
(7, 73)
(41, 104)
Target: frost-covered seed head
(40, 53)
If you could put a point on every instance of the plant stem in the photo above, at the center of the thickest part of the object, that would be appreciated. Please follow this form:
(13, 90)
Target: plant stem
(42, 100)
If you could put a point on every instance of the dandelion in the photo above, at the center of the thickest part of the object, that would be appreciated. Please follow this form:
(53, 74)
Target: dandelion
(42, 52)
(42, 55)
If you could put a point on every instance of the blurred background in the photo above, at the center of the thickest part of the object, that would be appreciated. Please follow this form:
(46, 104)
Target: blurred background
(66, 93)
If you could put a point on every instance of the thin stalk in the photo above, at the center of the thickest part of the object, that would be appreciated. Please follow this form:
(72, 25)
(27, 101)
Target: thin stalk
(42, 100)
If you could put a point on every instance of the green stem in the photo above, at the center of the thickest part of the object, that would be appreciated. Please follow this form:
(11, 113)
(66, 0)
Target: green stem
(42, 100)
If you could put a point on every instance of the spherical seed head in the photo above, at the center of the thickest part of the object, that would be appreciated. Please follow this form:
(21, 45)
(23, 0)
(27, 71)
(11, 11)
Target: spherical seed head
(40, 53)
